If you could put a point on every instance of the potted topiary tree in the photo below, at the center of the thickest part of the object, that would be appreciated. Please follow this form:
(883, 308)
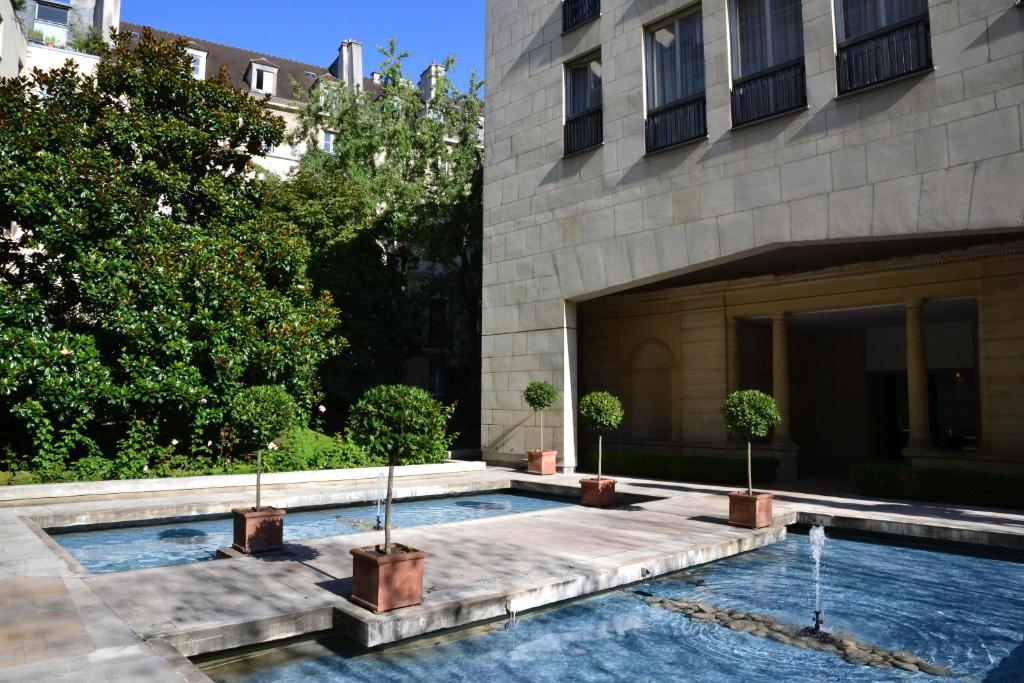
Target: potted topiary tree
(540, 395)
(259, 415)
(397, 423)
(603, 412)
(750, 413)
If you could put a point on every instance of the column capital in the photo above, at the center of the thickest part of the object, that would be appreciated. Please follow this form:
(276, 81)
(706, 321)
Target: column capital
(914, 303)
(780, 315)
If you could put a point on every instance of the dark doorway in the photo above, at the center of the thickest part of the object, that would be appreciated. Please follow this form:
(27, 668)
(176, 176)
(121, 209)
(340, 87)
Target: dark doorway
(887, 415)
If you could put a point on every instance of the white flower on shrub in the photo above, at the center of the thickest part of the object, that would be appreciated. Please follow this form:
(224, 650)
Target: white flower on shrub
(174, 442)
(145, 468)
(271, 446)
(203, 401)
(209, 443)
(322, 408)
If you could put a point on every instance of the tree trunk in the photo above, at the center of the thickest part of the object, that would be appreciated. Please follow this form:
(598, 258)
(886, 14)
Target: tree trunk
(387, 508)
(542, 432)
(600, 437)
(750, 474)
(259, 472)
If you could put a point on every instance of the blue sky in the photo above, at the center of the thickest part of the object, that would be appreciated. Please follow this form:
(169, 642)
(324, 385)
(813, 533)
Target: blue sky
(311, 30)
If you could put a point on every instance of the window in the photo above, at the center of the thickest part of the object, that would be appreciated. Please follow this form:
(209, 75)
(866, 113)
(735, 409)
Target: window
(583, 120)
(198, 64)
(767, 51)
(52, 21)
(879, 40)
(262, 79)
(675, 81)
(328, 142)
(578, 12)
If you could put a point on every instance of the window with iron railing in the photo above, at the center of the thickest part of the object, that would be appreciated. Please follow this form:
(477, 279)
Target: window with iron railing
(767, 58)
(880, 40)
(578, 12)
(675, 82)
(584, 122)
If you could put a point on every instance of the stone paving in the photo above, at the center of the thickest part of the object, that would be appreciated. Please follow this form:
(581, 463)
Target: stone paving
(59, 623)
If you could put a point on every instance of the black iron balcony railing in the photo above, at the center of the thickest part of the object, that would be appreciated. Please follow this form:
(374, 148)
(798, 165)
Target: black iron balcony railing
(885, 54)
(774, 91)
(676, 123)
(583, 131)
(577, 12)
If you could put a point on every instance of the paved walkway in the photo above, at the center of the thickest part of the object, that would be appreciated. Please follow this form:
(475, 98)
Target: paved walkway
(58, 623)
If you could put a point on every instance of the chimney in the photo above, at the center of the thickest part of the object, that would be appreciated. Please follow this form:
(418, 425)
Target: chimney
(350, 63)
(428, 81)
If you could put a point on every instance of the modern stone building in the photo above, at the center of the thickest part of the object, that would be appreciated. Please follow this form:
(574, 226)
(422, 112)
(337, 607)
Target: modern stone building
(823, 199)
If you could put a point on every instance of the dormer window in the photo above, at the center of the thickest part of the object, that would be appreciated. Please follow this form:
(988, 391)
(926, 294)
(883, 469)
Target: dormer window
(198, 63)
(262, 77)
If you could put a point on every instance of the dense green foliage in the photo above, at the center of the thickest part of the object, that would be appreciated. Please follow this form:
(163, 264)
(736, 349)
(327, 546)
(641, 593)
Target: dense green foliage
(304, 449)
(540, 395)
(394, 216)
(147, 286)
(401, 425)
(261, 414)
(900, 480)
(678, 467)
(750, 413)
(601, 411)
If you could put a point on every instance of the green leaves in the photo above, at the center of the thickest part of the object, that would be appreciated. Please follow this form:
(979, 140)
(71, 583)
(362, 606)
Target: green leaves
(261, 414)
(540, 395)
(147, 255)
(602, 411)
(750, 413)
(401, 424)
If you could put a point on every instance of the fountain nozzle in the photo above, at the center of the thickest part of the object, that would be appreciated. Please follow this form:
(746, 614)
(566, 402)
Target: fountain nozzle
(818, 621)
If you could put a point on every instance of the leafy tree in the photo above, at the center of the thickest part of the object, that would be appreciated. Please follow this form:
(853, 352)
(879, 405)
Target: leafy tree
(145, 281)
(603, 412)
(394, 216)
(750, 413)
(539, 395)
(401, 424)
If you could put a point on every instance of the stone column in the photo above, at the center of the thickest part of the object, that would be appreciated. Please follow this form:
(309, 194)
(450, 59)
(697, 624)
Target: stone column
(917, 378)
(780, 375)
(732, 353)
(567, 454)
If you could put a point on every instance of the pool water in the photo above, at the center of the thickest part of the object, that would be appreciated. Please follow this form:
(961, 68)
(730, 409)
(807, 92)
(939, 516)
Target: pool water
(138, 547)
(962, 612)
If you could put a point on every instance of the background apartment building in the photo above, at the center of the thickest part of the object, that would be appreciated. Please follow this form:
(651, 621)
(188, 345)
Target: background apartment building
(817, 198)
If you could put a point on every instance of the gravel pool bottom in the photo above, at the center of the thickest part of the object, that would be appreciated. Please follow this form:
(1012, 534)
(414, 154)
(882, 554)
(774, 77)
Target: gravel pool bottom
(958, 611)
(137, 547)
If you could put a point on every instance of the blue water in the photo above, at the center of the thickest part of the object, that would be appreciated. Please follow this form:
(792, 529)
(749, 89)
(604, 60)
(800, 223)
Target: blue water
(137, 547)
(966, 613)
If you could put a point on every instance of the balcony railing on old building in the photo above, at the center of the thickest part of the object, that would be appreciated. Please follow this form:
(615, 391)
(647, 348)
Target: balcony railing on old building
(770, 92)
(676, 123)
(883, 55)
(577, 12)
(583, 131)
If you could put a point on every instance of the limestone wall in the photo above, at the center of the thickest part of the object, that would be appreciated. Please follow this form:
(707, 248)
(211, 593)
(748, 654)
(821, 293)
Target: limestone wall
(939, 153)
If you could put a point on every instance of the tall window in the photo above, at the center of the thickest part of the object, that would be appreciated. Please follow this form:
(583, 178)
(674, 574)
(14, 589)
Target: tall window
(880, 40)
(52, 20)
(328, 142)
(768, 76)
(583, 120)
(864, 16)
(264, 81)
(766, 33)
(675, 81)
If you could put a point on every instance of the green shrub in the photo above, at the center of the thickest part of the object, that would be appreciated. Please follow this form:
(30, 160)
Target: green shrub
(400, 424)
(900, 480)
(601, 411)
(691, 468)
(750, 413)
(305, 449)
(138, 452)
(262, 413)
(540, 395)
(91, 468)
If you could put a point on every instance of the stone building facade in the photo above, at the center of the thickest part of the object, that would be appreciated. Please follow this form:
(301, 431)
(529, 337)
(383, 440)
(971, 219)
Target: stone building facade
(829, 208)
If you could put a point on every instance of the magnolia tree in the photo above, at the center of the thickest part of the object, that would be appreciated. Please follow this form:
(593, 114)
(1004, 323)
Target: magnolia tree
(603, 412)
(401, 424)
(539, 395)
(146, 284)
(750, 414)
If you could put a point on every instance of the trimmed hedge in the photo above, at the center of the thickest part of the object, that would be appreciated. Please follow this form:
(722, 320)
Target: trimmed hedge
(698, 469)
(900, 480)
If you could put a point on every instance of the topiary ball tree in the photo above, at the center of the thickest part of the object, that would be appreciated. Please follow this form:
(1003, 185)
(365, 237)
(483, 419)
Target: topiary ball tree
(603, 412)
(540, 395)
(750, 413)
(259, 415)
(399, 423)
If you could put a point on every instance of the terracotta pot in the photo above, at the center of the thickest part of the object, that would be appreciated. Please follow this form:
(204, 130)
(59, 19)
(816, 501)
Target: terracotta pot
(381, 583)
(597, 493)
(541, 462)
(258, 531)
(753, 511)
